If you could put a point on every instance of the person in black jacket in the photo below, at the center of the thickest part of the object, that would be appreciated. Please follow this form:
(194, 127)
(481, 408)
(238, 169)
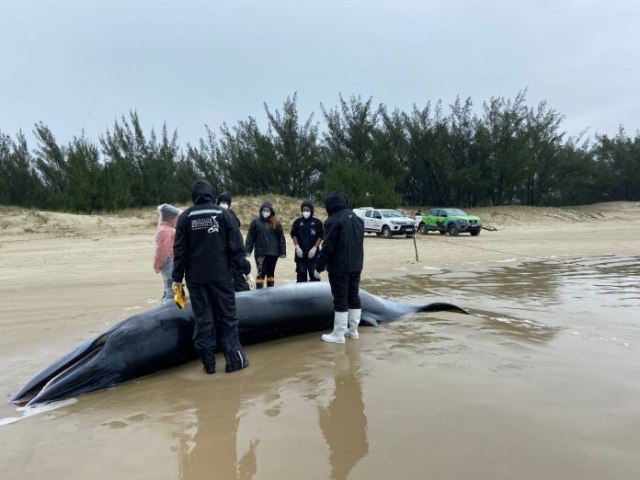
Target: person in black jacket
(206, 244)
(240, 283)
(342, 254)
(266, 236)
(306, 232)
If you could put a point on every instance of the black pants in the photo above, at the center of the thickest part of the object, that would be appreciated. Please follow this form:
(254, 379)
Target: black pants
(266, 270)
(304, 270)
(345, 288)
(214, 312)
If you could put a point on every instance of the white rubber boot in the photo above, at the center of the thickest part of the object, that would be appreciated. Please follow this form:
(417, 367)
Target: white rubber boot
(354, 321)
(339, 328)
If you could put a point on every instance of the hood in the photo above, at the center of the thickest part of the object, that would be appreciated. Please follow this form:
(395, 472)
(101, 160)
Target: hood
(307, 203)
(267, 204)
(224, 197)
(166, 212)
(202, 192)
(335, 202)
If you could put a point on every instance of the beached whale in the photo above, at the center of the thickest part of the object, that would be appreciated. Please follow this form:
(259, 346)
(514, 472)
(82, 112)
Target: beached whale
(162, 337)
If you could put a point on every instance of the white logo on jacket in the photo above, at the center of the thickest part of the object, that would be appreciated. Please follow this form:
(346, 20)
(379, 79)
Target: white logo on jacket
(210, 223)
(215, 227)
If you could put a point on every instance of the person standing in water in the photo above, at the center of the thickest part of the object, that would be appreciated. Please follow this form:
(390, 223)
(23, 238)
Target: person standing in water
(207, 242)
(342, 254)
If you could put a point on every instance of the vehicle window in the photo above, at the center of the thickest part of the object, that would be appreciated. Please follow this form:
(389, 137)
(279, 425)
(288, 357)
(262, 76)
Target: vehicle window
(456, 212)
(367, 214)
(377, 215)
(433, 212)
(391, 213)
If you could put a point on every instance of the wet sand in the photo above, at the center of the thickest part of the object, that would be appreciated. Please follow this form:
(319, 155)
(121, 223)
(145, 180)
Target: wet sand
(540, 382)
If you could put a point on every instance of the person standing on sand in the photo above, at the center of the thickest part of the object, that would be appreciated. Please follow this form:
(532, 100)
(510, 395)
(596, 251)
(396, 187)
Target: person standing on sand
(207, 242)
(163, 258)
(267, 237)
(342, 254)
(418, 218)
(306, 233)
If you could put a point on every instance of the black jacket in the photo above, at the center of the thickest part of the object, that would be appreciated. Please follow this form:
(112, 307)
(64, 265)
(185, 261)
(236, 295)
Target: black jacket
(343, 245)
(233, 214)
(265, 240)
(307, 231)
(226, 197)
(207, 241)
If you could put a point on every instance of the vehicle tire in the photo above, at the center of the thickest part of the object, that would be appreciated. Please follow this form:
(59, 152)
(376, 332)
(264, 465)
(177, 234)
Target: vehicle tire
(452, 230)
(475, 233)
(423, 229)
(386, 232)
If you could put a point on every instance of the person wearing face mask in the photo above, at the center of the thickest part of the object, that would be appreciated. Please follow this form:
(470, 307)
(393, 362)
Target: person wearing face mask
(306, 233)
(267, 237)
(240, 283)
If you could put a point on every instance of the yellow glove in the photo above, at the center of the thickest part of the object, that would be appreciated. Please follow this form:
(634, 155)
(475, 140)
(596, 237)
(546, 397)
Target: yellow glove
(179, 296)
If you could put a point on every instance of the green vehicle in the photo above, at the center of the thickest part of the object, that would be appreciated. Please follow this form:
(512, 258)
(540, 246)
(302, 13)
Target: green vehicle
(449, 220)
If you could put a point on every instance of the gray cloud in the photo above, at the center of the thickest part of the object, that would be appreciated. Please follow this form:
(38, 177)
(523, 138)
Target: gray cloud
(76, 65)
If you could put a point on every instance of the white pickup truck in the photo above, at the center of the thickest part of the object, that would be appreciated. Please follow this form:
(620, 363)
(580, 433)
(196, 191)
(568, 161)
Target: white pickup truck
(386, 222)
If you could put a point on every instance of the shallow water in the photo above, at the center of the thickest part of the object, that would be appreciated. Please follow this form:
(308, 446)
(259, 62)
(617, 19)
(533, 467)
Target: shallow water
(542, 381)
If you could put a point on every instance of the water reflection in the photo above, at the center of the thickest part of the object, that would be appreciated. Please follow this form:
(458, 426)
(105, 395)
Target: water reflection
(343, 422)
(526, 288)
(208, 446)
(233, 425)
(551, 350)
(526, 302)
(515, 328)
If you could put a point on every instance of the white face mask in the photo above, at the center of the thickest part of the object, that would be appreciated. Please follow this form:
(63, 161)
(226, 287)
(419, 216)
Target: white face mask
(306, 214)
(224, 205)
(266, 213)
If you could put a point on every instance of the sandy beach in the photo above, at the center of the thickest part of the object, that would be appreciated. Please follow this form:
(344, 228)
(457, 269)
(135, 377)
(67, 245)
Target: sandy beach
(68, 277)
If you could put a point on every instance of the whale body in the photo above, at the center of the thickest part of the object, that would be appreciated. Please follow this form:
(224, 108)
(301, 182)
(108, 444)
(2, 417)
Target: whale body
(161, 338)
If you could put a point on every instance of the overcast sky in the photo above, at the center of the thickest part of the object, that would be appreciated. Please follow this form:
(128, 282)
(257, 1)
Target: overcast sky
(81, 64)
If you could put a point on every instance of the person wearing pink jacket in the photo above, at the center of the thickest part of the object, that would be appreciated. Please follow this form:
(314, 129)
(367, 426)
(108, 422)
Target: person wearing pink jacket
(163, 258)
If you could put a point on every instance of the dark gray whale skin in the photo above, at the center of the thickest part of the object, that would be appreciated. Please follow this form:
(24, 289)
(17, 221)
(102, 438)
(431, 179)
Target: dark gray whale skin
(161, 337)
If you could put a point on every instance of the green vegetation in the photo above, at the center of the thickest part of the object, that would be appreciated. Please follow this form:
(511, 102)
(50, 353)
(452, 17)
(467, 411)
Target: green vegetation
(513, 154)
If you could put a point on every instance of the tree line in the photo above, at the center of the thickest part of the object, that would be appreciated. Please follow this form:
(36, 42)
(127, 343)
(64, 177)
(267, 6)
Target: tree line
(510, 154)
